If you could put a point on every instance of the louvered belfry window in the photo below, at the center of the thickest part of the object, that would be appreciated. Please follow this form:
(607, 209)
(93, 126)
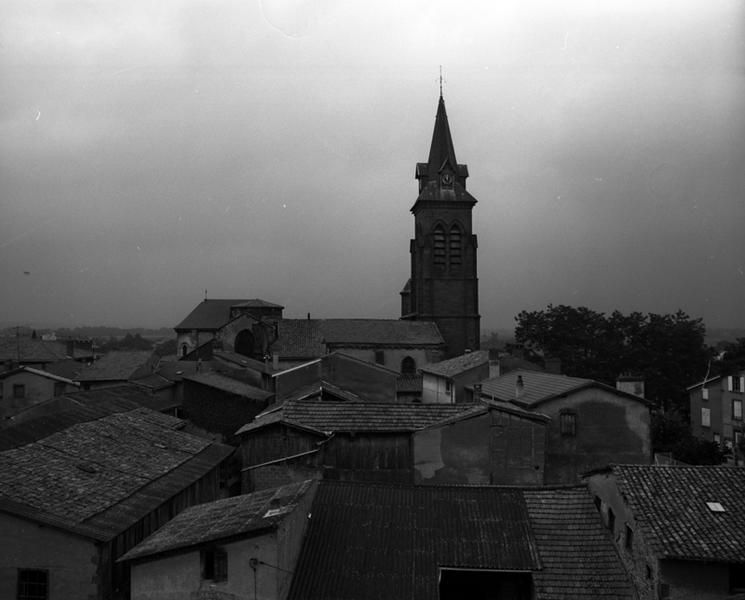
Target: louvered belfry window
(439, 236)
(455, 247)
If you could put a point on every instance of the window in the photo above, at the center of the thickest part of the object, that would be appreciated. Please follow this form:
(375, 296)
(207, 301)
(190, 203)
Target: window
(736, 387)
(448, 386)
(455, 248)
(380, 357)
(629, 538)
(408, 366)
(214, 564)
(19, 390)
(439, 239)
(184, 350)
(59, 388)
(33, 584)
(704, 393)
(717, 438)
(705, 417)
(568, 423)
(611, 519)
(737, 409)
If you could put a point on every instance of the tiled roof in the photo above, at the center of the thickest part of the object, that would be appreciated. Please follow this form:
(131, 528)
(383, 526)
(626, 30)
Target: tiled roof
(362, 416)
(31, 350)
(457, 365)
(368, 541)
(213, 313)
(65, 368)
(234, 359)
(59, 413)
(228, 384)
(577, 554)
(239, 515)
(485, 406)
(305, 338)
(409, 383)
(39, 372)
(101, 476)
(669, 503)
(118, 366)
(539, 387)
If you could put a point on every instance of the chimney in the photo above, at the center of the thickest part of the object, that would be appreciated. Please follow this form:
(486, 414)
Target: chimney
(477, 392)
(308, 316)
(275, 361)
(70, 348)
(519, 387)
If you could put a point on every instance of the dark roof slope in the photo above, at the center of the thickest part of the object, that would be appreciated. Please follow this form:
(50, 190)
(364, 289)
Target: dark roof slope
(224, 383)
(577, 554)
(213, 313)
(101, 476)
(31, 350)
(540, 387)
(361, 416)
(386, 541)
(454, 366)
(670, 505)
(305, 338)
(119, 366)
(239, 515)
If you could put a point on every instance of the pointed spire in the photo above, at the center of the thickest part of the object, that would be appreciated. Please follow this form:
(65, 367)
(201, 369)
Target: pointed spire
(441, 150)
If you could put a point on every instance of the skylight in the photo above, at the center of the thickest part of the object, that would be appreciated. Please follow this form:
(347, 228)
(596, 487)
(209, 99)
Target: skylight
(715, 507)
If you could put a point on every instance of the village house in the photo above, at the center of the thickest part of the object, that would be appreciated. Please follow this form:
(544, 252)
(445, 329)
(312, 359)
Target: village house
(83, 486)
(716, 410)
(680, 530)
(371, 540)
(325, 431)
(591, 424)
(23, 387)
(492, 443)
(445, 381)
(240, 547)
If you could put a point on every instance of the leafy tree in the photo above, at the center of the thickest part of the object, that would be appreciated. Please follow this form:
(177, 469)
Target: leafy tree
(667, 350)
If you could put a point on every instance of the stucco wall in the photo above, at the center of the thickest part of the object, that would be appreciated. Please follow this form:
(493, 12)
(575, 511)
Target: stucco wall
(364, 379)
(434, 389)
(496, 447)
(609, 429)
(72, 561)
(392, 356)
(178, 577)
(37, 389)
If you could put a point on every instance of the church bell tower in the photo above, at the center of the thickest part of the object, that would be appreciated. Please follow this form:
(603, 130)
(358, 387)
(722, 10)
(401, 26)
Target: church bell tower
(444, 287)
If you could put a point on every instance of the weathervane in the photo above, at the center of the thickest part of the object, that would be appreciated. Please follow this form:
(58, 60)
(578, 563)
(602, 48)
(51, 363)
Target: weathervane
(440, 81)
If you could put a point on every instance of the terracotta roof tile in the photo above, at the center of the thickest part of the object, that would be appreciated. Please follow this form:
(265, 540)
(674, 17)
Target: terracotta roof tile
(457, 365)
(669, 503)
(118, 366)
(223, 518)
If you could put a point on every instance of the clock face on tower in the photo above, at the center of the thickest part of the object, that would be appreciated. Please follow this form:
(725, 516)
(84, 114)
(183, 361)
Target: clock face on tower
(447, 179)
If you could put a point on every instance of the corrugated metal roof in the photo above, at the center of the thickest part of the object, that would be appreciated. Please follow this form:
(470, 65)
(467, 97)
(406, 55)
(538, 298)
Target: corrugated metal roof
(106, 473)
(459, 364)
(369, 416)
(386, 541)
(239, 515)
(670, 504)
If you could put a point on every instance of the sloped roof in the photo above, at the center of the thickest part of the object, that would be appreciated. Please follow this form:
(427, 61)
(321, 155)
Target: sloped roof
(540, 387)
(231, 517)
(228, 384)
(409, 383)
(305, 338)
(31, 350)
(233, 359)
(360, 416)
(485, 405)
(369, 541)
(669, 504)
(213, 313)
(454, 366)
(41, 373)
(578, 557)
(117, 366)
(56, 414)
(65, 368)
(99, 477)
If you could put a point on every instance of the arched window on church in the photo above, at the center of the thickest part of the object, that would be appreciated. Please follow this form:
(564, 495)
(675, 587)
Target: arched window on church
(244, 343)
(439, 238)
(455, 246)
(408, 366)
(184, 350)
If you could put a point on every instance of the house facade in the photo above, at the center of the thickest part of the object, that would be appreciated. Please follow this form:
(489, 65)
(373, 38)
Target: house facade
(678, 529)
(24, 387)
(717, 410)
(446, 381)
(591, 424)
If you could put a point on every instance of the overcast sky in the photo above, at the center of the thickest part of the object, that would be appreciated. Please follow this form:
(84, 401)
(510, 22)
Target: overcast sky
(152, 150)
